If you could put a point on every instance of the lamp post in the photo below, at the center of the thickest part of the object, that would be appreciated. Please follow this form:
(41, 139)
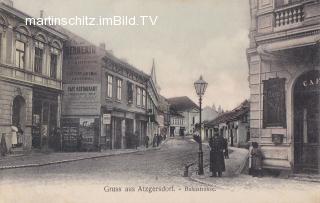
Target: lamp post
(200, 86)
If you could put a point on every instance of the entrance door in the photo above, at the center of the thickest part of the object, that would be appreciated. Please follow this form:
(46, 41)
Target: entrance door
(117, 133)
(307, 123)
(181, 131)
(18, 117)
(129, 134)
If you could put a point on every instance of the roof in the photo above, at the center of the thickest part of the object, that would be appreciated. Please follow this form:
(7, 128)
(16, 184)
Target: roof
(233, 115)
(182, 104)
(20, 14)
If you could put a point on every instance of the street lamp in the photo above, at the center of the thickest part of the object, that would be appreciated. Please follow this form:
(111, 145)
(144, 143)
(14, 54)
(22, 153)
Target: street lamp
(200, 86)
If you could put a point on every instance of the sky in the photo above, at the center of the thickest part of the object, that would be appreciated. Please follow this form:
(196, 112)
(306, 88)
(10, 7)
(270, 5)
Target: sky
(190, 38)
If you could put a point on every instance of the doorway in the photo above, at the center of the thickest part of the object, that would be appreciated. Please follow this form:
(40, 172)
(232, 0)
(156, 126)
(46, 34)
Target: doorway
(18, 118)
(307, 123)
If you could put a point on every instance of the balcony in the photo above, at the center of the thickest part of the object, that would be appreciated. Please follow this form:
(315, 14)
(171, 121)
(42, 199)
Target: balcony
(296, 19)
(289, 16)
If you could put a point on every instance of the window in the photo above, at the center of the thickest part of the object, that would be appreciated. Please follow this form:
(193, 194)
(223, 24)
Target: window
(143, 98)
(138, 96)
(130, 92)
(279, 3)
(109, 86)
(53, 62)
(38, 57)
(193, 120)
(20, 53)
(119, 89)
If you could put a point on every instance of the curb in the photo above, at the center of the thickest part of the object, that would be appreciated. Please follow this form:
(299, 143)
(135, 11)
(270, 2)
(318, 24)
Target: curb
(75, 159)
(243, 165)
(237, 172)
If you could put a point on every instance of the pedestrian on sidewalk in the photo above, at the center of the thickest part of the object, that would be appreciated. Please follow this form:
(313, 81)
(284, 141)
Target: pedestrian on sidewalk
(256, 160)
(154, 140)
(146, 141)
(3, 145)
(19, 136)
(14, 136)
(217, 165)
(226, 151)
(136, 139)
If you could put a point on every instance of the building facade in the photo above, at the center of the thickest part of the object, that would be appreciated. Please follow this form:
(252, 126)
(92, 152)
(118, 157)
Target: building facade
(30, 80)
(189, 111)
(284, 66)
(107, 103)
(177, 124)
(105, 99)
(232, 125)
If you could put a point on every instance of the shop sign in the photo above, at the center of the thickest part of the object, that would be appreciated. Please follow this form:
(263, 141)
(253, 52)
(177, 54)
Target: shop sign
(81, 99)
(309, 81)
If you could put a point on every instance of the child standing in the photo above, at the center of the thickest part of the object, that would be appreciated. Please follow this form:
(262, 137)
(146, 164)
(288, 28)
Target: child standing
(256, 160)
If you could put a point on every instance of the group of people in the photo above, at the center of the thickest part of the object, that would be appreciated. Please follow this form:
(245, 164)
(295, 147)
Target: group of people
(219, 152)
(156, 141)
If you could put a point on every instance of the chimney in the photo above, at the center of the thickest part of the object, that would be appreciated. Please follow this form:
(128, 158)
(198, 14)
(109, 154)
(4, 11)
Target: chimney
(102, 45)
(41, 13)
(7, 2)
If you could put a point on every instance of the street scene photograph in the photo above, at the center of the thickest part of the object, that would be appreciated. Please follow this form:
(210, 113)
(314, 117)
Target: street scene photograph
(160, 101)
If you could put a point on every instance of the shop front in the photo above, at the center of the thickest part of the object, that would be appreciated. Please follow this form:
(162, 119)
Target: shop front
(80, 133)
(45, 119)
(121, 129)
(307, 122)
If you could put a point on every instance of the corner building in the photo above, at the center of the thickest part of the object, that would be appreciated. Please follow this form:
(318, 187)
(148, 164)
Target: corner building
(284, 78)
(30, 80)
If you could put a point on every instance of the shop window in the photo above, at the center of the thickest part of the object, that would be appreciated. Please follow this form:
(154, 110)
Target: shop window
(45, 119)
(119, 89)
(109, 86)
(274, 108)
(38, 57)
(20, 54)
(54, 62)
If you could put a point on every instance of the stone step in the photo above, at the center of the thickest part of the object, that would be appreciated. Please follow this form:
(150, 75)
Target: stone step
(306, 177)
(17, 151)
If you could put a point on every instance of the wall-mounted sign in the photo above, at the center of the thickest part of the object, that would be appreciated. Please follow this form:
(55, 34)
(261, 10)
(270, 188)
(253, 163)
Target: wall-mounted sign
(309, 81)
(106, 119)
(274, 107)
(87, 74)
(81, 99)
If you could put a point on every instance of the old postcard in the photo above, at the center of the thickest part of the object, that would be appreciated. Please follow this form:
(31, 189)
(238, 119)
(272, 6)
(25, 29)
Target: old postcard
(160, 101)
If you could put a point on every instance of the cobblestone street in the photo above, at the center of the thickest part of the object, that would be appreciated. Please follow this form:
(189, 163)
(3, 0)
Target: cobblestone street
(162, 167)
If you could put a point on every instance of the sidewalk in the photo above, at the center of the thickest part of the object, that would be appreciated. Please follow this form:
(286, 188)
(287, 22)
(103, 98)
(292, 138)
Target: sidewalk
(35, 159)
(234, 165)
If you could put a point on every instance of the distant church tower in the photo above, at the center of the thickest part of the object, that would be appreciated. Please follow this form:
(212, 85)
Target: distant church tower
(154, 77)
